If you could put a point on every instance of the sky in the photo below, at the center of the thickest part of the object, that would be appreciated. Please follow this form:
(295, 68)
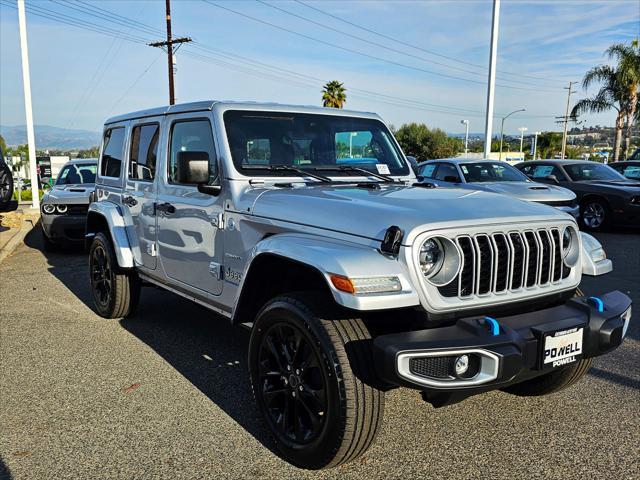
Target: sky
(409, 61)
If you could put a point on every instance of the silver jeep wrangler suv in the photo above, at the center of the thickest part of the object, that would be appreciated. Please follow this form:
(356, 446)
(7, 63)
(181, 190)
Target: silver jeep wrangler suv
(306, 225)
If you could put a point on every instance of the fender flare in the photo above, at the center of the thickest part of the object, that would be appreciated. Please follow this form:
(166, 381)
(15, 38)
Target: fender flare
(330, 256)
(111, 216)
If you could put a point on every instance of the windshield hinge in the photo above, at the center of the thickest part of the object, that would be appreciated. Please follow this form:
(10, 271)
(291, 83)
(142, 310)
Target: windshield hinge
(217, 220)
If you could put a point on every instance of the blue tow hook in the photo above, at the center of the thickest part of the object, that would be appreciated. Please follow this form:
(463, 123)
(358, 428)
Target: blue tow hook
(493, 323)
(599, 304)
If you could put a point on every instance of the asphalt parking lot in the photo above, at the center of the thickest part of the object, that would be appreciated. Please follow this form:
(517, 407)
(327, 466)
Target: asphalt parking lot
(166, 395)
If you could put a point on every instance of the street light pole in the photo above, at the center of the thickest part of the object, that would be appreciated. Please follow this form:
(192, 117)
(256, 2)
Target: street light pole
(493, 56)
(502, 129)
(466, 135)
(26, 82)
(522, 130)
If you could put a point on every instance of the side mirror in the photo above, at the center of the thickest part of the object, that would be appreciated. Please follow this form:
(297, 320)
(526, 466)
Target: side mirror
(451, 179)
(552, 178)
(420, 177)
(193, 169)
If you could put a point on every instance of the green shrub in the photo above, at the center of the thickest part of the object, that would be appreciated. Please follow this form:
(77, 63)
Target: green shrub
(26, 195)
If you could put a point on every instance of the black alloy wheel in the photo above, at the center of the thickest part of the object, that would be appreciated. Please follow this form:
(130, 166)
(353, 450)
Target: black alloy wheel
(294, 385)
(101, 276)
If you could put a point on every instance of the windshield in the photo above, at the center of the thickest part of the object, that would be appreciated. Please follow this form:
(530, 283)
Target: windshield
(78, 173)
(491, 172)
(310, 141)
(592, 171)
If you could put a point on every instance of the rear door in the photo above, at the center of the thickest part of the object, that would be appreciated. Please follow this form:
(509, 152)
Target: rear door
(140, 188)
(189, 239)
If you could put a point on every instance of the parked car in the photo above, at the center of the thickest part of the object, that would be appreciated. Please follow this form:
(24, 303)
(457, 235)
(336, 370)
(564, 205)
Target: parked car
(64, 207)
(6, 182)
(606, 197)
(629, 169)
(498, 177)
(352, 279)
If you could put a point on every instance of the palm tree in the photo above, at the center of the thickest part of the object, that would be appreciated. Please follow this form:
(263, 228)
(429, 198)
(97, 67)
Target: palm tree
(334, 95)
(611, 95)
(628, 71)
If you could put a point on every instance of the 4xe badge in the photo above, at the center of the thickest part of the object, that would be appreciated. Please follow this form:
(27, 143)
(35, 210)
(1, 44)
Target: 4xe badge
(562, 347)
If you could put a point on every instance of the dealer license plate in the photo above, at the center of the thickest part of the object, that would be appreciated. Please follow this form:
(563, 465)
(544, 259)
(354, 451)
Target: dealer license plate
(562, 347)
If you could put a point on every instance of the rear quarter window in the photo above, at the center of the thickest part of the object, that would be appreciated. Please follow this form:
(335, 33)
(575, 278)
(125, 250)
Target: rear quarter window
(112, 152)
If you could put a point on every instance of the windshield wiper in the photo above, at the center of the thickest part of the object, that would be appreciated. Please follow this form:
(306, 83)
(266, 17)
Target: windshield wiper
(351, 168)
(287, 168)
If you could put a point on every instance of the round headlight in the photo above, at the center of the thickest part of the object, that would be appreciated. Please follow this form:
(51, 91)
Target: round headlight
(439, 260)
(570, 247)
(61, 208)
(431, 256)
(567, 236)
(48, 208)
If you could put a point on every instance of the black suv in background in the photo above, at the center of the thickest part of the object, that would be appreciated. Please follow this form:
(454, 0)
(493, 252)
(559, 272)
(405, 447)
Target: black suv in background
(6, 182)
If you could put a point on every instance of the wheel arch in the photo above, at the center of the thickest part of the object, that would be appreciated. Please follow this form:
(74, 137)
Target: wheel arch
(295, 262)
(106, 217)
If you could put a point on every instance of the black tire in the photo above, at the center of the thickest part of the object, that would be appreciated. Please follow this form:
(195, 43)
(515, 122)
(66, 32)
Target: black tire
(554, 381)
(6, 185)
(595, 214)
(115, 292)
(326, 353)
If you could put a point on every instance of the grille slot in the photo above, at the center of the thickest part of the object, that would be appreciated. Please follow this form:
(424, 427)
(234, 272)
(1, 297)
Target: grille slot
(503, 261)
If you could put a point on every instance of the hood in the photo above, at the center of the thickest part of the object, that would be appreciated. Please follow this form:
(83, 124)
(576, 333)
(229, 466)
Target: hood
(69, 194)
(529, 191)
(368, 213)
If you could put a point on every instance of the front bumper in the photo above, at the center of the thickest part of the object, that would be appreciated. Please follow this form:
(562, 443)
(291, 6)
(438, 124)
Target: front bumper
(505, 350)
(64, 228)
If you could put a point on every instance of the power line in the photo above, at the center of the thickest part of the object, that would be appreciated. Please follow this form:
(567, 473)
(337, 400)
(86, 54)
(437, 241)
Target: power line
(380, 45)
(407, 44)
(303, 79)
(364, 54)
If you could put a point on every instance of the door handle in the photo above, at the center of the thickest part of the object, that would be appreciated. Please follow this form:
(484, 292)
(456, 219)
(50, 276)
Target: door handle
(129, 201)
(165, 208)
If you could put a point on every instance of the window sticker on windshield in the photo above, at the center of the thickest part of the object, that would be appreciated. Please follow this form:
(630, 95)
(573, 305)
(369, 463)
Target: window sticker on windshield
(383, 168)
(464, 168)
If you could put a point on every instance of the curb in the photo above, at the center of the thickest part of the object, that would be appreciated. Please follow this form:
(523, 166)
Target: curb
(28, 224)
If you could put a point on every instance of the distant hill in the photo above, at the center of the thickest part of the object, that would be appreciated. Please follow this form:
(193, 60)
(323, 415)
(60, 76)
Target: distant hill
(48, 137)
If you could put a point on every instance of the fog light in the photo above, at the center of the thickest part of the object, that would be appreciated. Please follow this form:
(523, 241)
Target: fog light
(461, 365)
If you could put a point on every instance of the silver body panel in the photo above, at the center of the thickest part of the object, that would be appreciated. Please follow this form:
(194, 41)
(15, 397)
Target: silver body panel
(205, 249)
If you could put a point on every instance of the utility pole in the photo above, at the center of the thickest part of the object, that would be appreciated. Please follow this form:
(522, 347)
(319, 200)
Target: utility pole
(493, 56)
(26, 83)
(168, 46)
(566, 120)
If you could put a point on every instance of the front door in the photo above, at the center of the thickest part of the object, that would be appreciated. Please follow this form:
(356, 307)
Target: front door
(140, 191)
(189, 242)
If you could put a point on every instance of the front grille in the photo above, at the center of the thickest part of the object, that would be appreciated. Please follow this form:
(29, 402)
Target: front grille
(434, 367)
(499, 262)
(81, 209)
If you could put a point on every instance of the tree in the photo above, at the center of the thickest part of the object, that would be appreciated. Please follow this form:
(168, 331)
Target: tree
(610, 96)
(89, 153)
(418, 140)
(548, 144)
(334, 95)
(3, 145)
(628, 72)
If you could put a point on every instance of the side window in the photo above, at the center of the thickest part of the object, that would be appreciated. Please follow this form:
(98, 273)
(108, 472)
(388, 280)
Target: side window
(632, 171)
(144, 151)
(111, 161)
(447, 173)
(543, 171)
(427, 170)
(192, 136)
